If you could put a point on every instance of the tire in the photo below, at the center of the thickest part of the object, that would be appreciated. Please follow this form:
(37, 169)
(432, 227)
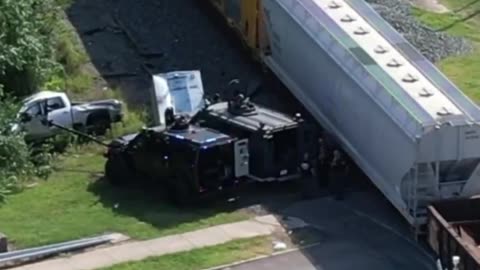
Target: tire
(100, 125)
(117, 171)
(181, 193)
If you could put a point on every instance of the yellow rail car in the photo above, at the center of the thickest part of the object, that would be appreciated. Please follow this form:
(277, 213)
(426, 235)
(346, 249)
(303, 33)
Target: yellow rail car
(246, 17)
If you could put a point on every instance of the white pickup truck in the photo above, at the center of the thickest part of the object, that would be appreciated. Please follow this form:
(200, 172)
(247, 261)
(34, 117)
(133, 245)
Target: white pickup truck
(92, 117)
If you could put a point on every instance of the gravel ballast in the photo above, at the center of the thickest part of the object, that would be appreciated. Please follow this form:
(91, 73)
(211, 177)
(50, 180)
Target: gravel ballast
(435, 45)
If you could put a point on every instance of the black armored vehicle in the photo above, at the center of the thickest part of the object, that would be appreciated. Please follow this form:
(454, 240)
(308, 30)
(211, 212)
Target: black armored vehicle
(276, 140)
(185, 159)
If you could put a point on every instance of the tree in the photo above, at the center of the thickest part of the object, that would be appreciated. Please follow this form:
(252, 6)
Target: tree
(25, 43)
(14, 154)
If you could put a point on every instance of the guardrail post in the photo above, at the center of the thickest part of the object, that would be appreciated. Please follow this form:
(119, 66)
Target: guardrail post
(3, 243)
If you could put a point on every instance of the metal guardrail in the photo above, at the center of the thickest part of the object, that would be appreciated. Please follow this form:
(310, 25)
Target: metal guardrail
(27, 255)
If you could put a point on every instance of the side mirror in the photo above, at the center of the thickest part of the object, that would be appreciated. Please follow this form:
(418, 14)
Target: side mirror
(25, 117)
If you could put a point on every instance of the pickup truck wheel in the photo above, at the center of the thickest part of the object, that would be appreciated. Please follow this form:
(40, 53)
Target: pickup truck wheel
(100, 126)
(117, 171)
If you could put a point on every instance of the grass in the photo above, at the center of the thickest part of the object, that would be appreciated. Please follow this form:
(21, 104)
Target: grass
(203, 258)
(132, 122)
(71, 55)
(463, 6)
(464, 71)
(72, 204)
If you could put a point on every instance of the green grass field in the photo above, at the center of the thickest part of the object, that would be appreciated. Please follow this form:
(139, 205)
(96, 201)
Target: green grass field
(73, 204)
(464, 71)
(203, 258)
(463, 6)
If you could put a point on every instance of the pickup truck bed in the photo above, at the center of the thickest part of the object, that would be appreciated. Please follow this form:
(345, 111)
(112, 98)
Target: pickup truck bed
(454, 230)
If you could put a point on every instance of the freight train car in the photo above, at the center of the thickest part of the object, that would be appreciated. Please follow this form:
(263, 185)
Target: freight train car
(401, 120)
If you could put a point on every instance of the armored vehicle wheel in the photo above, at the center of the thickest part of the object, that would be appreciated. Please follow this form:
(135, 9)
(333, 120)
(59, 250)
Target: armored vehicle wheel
(117, 171)
(180, 189)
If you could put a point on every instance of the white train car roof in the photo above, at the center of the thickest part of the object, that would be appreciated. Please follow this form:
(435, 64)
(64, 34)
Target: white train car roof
(403, 71)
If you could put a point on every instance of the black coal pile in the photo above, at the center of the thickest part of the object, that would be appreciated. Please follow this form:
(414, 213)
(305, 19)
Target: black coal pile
(435, 45)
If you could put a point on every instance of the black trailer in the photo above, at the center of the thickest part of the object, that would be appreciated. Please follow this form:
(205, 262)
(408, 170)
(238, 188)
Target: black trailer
(276, 140)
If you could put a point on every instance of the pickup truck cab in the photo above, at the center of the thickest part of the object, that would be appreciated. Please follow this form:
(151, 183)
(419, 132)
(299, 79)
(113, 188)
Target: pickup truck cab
(92, 117)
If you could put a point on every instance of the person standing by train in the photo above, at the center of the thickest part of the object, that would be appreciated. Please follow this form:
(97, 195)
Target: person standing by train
(322, 163)
(308, 183)
(338, 174)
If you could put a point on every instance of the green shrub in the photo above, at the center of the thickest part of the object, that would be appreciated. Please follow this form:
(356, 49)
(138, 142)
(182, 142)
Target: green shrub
(19, 162)
(26, 51)
(132, 122)
(15, 163)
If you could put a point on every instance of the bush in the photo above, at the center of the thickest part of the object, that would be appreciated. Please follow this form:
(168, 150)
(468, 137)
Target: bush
(15, 162)
(18, 161)
(59, 143)
(26, 54)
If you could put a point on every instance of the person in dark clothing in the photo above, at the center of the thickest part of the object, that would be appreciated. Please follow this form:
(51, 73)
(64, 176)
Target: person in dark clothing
(339, 174)
(169, 116)
(322, 165)
(307, 180)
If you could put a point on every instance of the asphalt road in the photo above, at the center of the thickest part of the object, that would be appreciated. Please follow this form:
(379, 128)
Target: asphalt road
(361, 233)
(338, 256)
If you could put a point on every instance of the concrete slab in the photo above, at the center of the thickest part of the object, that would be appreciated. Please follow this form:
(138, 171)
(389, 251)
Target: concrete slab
(130, 252)
(57, 264)
(91, 260)
(268, 219)
(211, 236)
(247, 229)
(168, 244)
